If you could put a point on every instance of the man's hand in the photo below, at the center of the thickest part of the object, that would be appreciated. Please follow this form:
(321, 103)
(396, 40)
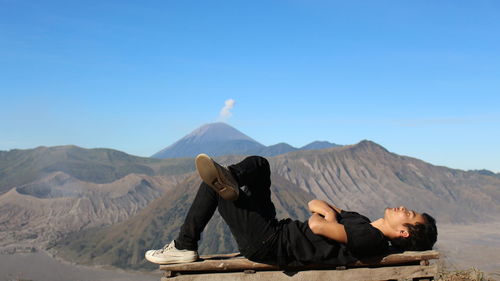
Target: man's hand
(328, 229)
(315, 222)
(329, 212)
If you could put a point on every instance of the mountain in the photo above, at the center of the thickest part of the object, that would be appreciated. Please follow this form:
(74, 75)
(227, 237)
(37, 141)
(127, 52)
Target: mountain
(218, 139)
(277, 149)
(318, 145)
(364, 177)
(48, 192)
(486, 173)
(19, 167)
(214, 139)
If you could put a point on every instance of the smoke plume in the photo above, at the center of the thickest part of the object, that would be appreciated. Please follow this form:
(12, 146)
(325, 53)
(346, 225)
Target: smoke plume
(225, 112)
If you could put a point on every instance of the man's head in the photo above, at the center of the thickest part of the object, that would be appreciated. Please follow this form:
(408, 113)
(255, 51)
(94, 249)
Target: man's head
(410, 231)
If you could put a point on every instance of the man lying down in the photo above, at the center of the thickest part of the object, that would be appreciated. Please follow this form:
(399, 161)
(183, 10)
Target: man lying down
(331, 236)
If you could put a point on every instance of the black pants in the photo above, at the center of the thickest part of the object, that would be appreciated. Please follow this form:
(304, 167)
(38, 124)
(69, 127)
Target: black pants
(251, 218)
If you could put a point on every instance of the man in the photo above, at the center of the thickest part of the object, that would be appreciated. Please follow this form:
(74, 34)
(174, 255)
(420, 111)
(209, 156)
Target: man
(331, 236)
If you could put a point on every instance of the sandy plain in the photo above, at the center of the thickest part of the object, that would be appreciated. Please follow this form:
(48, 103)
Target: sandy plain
(40, 266)
(472, 245)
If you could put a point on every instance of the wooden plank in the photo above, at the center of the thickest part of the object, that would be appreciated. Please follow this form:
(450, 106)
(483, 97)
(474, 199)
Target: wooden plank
(407, 272)
(217, 265)
(221, 256)
(400, 258)
(226, 263)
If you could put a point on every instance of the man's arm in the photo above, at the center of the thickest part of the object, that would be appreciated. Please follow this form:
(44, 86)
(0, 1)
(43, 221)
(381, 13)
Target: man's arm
(329, 229)
(321, 207)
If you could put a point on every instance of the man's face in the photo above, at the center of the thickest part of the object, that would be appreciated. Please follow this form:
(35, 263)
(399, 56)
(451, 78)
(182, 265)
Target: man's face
(396, 218)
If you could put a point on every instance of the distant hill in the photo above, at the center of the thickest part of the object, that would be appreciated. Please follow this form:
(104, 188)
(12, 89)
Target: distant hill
(486, 173)
(219, 139)
(318, 145)
(19, 167)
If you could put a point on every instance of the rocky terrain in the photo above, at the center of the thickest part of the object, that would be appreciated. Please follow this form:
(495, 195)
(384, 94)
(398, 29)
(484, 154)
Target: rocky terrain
(367, 178)
(58, 204)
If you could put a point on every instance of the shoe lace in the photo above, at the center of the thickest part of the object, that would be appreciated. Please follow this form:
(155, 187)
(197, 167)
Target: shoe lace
(165, 248)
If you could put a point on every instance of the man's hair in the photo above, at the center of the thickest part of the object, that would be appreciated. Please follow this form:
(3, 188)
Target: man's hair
(422, 236)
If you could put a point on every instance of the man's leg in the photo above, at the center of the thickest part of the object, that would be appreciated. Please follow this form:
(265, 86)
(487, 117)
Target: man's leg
(184, 248)
(199, 214)
(248, 217)
(254, 173)
(251, 218)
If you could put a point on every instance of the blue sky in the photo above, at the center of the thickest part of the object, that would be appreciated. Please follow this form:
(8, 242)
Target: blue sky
(420, 78)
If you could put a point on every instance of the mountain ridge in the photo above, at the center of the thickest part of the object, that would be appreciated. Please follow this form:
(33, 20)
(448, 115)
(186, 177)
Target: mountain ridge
(220, 139)
(99, 165)
(366, 176)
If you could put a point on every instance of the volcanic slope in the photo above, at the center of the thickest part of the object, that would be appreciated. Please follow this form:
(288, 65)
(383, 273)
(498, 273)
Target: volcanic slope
(57, 204)
(367, 178)
(48, 192)
(215, 139)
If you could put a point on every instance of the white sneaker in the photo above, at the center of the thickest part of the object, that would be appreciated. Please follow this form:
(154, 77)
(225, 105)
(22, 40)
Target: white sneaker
(169, 254)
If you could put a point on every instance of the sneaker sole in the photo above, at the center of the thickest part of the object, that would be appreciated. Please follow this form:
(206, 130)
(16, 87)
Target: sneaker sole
(172, 260)
(210, 174)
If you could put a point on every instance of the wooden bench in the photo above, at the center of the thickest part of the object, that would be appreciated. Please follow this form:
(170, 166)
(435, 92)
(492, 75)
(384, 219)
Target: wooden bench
(398, 266)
